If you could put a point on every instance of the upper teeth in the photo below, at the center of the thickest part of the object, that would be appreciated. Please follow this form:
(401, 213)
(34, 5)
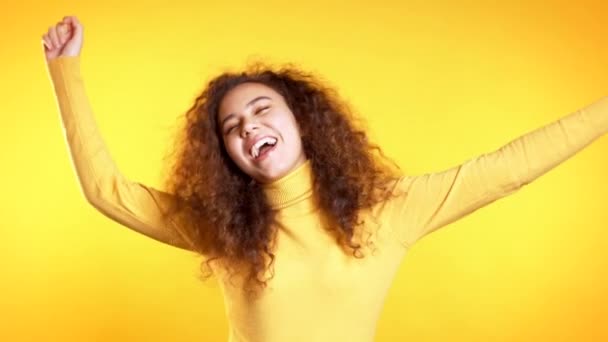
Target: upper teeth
(255, 149)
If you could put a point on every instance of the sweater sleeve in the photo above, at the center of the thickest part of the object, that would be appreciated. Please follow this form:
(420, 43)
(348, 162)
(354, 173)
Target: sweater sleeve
(129, 203)
(430, 201)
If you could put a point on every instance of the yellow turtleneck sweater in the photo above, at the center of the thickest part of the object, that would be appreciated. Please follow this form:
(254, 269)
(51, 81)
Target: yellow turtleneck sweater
(319, 293)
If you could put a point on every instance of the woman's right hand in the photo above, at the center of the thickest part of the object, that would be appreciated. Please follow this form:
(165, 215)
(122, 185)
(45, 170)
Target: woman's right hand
(63, 39)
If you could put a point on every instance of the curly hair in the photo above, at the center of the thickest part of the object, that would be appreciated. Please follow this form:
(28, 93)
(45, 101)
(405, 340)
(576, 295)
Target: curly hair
(224, 212)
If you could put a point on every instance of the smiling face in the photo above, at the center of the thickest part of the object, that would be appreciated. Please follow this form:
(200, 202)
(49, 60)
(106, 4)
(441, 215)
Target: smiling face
(250, 112)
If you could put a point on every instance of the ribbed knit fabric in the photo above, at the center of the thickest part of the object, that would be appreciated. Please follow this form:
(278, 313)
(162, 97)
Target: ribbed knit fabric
(291, 188)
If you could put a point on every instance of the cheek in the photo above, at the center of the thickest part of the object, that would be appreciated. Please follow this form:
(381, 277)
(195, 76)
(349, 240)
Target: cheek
(287, 125)
(291, 133)
(231, 148)
(295, 129)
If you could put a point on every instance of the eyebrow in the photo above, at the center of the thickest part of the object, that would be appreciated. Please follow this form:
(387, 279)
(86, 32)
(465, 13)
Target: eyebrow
(246, 106)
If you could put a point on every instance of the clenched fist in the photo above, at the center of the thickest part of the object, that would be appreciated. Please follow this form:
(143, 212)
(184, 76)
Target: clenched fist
(63, 39)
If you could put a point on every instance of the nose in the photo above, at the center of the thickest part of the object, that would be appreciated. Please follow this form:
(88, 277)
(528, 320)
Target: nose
(248, 127)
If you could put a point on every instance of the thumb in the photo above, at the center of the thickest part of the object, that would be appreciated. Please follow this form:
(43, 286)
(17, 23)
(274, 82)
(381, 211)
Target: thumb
(73, 35)
(75, 26)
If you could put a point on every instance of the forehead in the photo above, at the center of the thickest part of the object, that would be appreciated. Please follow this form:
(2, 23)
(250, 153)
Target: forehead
(237, 98)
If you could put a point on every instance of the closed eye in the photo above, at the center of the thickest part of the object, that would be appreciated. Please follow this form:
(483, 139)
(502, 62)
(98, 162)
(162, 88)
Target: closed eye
(261, 109)
(257, 111)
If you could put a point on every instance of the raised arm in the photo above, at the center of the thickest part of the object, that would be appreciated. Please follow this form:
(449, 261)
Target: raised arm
(437, 199)
(129, 203)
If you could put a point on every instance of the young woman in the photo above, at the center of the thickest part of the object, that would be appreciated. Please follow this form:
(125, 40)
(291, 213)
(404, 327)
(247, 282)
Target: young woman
(303, 220)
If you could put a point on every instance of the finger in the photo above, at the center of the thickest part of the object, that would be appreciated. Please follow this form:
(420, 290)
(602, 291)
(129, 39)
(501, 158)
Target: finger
(47, 42)
(63, 30)
(54, 37)
(76, 29)
(71, 20)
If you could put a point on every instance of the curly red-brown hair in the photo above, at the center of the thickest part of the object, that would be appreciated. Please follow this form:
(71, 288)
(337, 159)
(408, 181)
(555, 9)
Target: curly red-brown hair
(224, 212)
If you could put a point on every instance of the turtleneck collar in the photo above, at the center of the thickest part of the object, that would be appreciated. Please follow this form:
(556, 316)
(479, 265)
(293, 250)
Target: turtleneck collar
(289, 190)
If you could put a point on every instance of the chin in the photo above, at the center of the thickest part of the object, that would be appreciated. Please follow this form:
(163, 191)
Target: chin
(272, 173)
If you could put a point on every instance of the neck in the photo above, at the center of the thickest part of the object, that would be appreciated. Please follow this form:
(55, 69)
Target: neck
(291, 189)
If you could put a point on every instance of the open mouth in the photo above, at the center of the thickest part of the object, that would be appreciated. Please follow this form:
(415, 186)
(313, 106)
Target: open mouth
(259, 153)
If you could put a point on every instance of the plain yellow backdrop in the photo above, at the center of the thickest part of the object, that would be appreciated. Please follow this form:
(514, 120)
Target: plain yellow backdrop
(438, 82)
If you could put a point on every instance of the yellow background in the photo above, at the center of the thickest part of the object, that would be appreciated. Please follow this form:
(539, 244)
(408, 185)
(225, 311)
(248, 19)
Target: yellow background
(438, 82)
